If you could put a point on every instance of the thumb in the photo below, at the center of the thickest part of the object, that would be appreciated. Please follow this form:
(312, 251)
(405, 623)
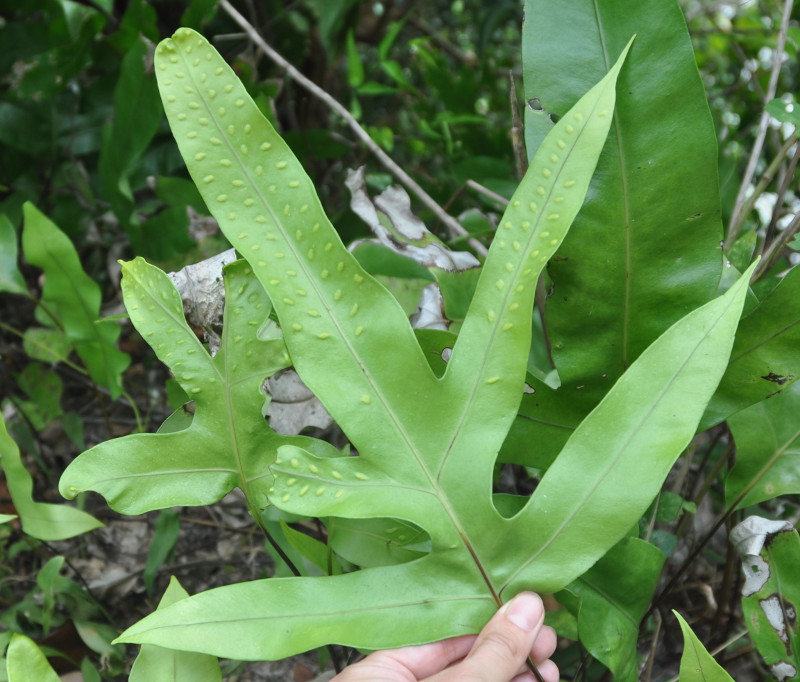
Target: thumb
(505, 643)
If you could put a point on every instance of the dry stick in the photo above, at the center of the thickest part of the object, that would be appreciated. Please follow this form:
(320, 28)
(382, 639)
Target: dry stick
(651, 656)
(784, 187)
(776, 247)
(768, 175)
(699, 548)
(769, 244)
(738, 216)
(480, 189)
(452, 224)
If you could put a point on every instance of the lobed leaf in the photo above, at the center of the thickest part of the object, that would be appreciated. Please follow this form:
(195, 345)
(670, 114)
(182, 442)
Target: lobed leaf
(426, 446)
(228, 443)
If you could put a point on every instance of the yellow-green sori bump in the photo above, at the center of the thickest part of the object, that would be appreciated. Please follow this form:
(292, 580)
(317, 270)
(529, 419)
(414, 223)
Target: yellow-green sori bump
(352, 487)
(267, 207)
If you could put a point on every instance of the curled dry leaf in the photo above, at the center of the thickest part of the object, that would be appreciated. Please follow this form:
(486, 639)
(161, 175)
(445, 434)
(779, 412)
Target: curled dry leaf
(400, 230)
(770, 552)
(430, 311)
(203, 293)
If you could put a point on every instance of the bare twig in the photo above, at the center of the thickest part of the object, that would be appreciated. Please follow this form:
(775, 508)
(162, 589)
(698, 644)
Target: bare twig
(738, 216)
(772, 253)
(647, 673)
(480, 189)
(767, 177)
(784, 187)
(468, 58)
(451, 223)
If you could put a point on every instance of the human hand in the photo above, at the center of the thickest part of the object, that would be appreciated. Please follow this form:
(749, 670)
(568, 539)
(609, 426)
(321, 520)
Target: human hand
(497, 654)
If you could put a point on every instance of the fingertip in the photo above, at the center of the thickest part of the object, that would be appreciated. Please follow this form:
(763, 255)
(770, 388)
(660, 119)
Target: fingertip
(545, 644)
(548, 670)
(526, 611)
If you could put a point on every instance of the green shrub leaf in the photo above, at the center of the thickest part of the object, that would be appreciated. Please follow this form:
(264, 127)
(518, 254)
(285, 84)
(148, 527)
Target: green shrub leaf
(25, 662)
(697, 665)
(74, 298)
(40, 520)
(10, 276)
(767, 439)
(764, 359)
(611, 599)
(158, 663)
(654, 217)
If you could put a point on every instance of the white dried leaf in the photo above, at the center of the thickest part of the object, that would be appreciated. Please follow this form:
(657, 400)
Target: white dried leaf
(203, 292)
(749, 538)
(400, 230)
(430, 311)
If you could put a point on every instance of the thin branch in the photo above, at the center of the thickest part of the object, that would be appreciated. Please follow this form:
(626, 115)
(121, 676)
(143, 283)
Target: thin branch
(489, 194)
(774, 250)
(651, 656)
(738, 216)
(766, 177)
(784, 187)
(468, 58)
(452, 224)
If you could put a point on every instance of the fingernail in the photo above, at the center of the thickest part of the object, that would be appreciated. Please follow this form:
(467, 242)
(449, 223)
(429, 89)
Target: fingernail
(524, 610)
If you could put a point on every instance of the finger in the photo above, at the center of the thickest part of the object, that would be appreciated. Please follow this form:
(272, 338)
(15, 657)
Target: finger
(505, 643)
(424, 660)
(547, 669)
(545, 644)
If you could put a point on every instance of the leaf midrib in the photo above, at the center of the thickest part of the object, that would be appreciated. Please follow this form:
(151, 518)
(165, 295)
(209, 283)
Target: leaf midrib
(766, 340)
